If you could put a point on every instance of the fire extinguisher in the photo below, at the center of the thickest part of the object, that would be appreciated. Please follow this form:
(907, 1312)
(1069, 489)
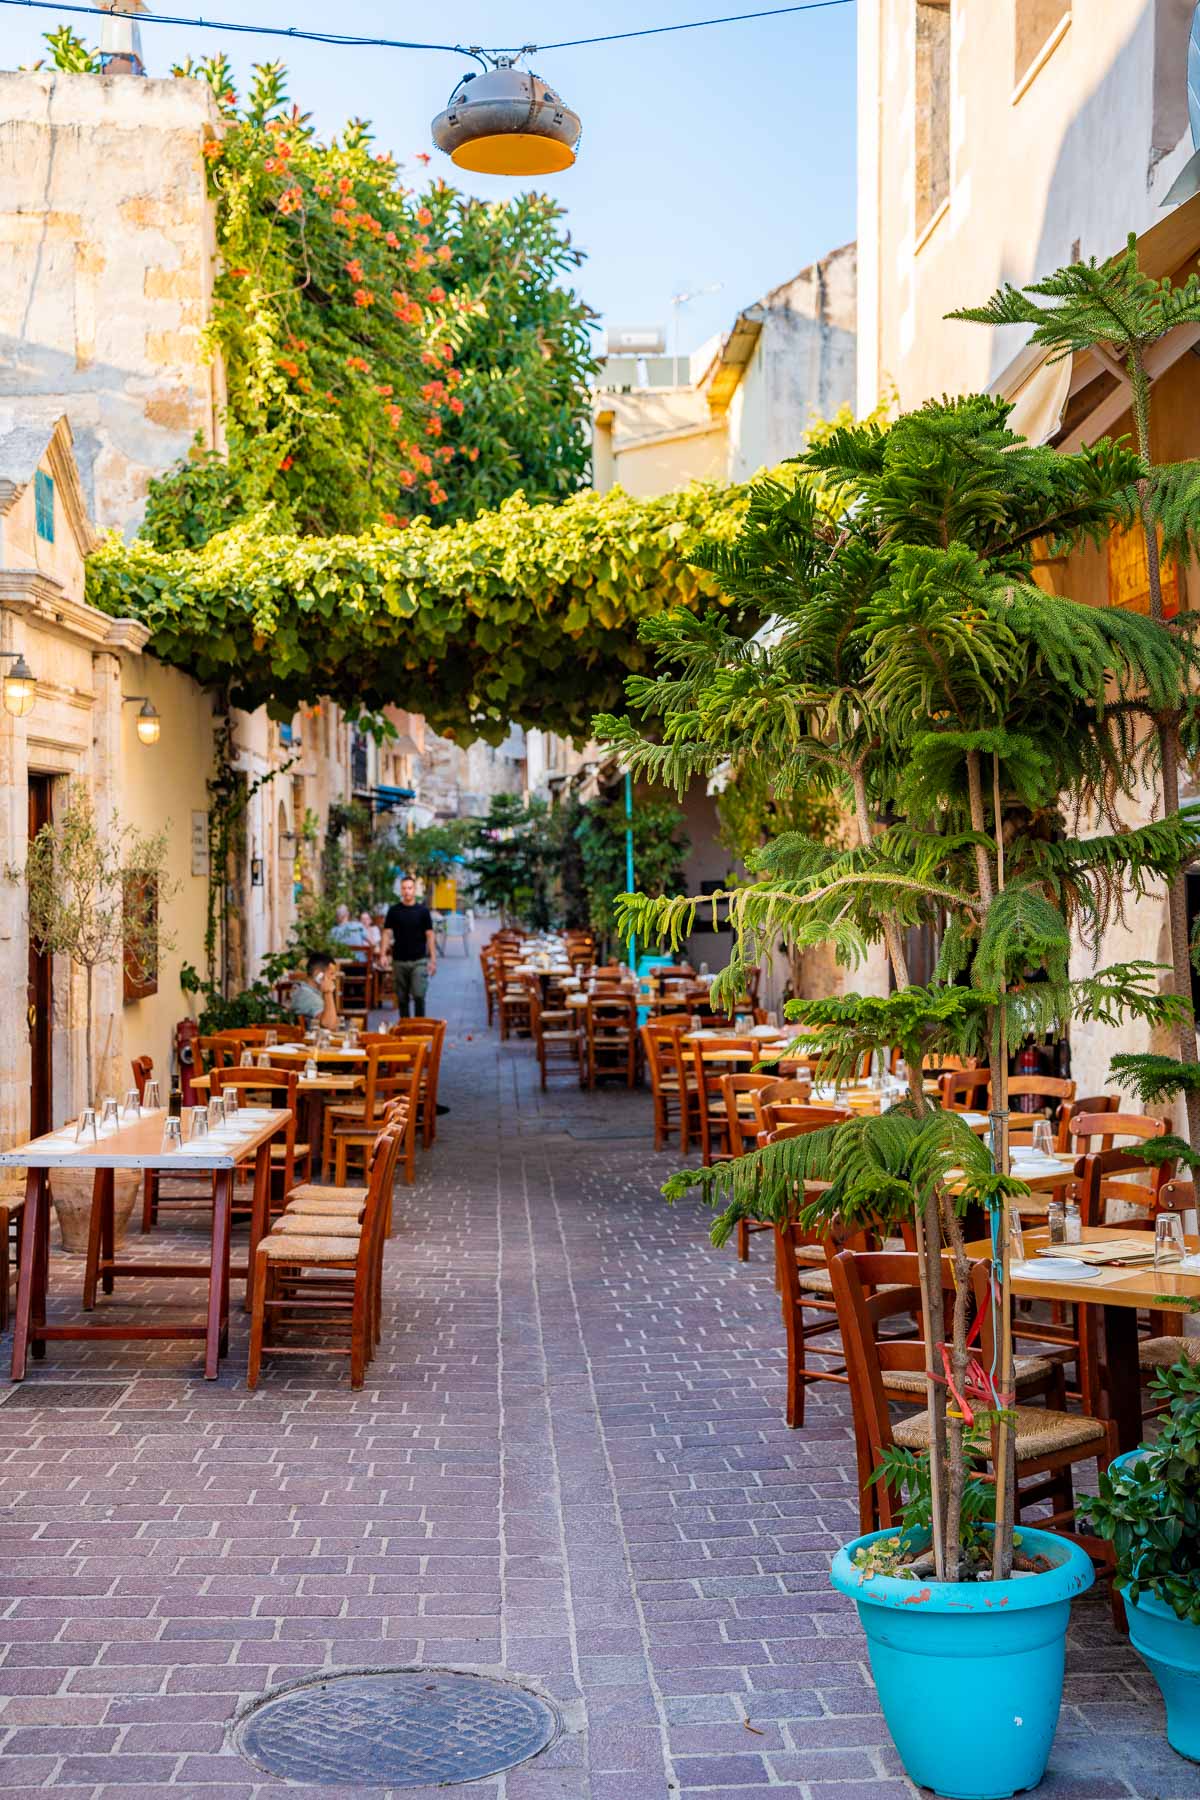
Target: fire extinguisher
(1028, 1063)
(186, 1059)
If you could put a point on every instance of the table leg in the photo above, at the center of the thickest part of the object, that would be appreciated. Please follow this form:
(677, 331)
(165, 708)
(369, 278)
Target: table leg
(1123, 1375)
(260, 1208)
(41, 1273)
(108, 1232)
(35, 1199)
(218, 1274)
(95, 1249)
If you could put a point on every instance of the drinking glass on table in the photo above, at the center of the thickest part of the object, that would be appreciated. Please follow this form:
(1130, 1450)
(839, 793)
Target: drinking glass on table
(216, 1111)
(199, 1121)
(1168, 1239)
(1016, 1239)
(172, 1135)
(132, 1108)
(110, 1114)
(231, 1102)
(85, 1130)
(1043, 1138)
(270, 1038)
(310, 1071)
(246, 1060)
(153, 1097)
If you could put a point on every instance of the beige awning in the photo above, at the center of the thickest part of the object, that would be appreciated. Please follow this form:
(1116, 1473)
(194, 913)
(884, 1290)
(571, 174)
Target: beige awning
(1040, 400)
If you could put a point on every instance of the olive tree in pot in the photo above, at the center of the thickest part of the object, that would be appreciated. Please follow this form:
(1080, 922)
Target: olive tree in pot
(93, 897)
(1148, 1508)
(965, 717)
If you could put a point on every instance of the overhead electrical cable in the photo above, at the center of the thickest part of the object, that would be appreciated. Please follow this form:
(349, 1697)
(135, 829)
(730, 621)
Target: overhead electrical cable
(481, 54)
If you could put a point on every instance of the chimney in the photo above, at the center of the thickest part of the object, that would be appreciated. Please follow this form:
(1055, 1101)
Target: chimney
(121, 38)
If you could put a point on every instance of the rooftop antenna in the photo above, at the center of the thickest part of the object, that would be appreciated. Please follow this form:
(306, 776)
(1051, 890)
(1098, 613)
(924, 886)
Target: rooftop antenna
(678, 302)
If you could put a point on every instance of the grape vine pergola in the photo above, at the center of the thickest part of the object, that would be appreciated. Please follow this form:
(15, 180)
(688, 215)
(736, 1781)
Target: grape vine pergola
(526, 614)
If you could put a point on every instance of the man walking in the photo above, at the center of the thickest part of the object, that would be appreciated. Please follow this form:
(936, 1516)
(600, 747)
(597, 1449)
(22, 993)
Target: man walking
(408, 939)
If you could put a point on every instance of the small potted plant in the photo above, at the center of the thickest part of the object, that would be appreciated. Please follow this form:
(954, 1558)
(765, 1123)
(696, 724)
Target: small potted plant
(1148, 1508)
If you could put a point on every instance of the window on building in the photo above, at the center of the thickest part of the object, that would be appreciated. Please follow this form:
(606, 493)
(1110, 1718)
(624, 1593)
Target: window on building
(1037, 21)
(932, 108)
(43, 504)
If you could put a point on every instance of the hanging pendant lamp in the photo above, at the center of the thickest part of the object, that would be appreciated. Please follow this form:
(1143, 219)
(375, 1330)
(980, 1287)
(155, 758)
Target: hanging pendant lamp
(507, 122)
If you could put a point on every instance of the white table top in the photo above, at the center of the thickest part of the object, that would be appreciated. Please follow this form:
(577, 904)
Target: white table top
(139, 1145)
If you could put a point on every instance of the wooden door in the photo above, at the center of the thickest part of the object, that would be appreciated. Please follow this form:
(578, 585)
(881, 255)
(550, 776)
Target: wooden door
(41, 990)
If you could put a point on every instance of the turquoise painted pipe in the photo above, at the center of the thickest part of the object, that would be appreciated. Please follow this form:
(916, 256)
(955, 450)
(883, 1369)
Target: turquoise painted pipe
(970, 1673)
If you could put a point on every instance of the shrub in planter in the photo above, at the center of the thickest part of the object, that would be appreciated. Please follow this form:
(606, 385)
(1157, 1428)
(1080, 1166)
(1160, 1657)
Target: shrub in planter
(1148, 1508)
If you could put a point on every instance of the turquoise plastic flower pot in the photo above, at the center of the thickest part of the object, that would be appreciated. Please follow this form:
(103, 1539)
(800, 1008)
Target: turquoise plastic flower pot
(1170, 1648)
(970, 1673)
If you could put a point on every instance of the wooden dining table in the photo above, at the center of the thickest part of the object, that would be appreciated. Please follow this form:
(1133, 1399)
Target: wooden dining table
(1118, 1293)
(138, 1146)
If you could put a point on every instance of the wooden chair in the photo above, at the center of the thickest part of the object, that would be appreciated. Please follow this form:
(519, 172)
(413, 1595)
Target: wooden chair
(1049, 1092)
(671, 1091)
(1165, 1346)
(276, 1088)
(612, 1039)
(314, 1279)
(741, 1095)
(871, 1289)
(965, 1090)
(434, 1032)
(712, 1060)
(393, 1074)
(356, 986)
(515, 1005)
(558, 1036)
(1095, 1103)
(12, 1223)
(781, 1113)
(217, 1052)
(197, 1184)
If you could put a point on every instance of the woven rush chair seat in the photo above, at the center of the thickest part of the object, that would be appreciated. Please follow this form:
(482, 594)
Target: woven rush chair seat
(316, 1190)
(316, 1225)
(282, 1247)
(1026, 1369)
(1161, 1352)
(327, 1209)
(820, 1281)
(1039, 1432)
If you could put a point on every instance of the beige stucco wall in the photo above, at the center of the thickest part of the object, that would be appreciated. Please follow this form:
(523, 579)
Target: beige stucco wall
(1080, 153)
(106, 263)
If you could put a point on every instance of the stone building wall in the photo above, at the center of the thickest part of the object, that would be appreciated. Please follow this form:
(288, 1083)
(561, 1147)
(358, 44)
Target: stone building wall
(106, 269)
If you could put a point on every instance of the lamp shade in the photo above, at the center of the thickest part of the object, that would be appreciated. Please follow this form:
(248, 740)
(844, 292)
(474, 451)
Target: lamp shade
(20, 688)
(149, 723)
(507, 122)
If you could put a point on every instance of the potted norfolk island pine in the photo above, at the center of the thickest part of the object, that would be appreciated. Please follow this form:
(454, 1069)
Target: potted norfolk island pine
(966, 719)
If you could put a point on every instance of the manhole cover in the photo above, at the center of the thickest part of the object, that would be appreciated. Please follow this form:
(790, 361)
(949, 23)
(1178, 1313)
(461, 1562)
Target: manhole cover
(405, 1728)
(66, 1396)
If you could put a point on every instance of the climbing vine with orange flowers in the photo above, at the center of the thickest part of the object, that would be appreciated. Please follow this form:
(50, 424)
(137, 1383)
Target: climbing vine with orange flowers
(389, 353)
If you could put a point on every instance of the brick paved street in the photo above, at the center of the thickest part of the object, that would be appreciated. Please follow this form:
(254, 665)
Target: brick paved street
(568, 1461)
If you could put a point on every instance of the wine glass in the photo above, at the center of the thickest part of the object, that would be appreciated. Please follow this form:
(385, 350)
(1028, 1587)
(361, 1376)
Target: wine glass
(153, 1096)
(1043, 1139)
(1168, 1239)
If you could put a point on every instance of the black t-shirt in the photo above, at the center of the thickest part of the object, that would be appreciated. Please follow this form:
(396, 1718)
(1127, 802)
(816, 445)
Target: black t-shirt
(408, 925)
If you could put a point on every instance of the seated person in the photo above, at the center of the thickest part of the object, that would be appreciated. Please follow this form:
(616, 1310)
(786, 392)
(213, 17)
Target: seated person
(372, 933)
(348, 932)
(313, 999)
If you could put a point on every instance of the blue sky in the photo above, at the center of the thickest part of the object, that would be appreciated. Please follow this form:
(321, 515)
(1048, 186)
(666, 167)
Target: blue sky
(724, 155)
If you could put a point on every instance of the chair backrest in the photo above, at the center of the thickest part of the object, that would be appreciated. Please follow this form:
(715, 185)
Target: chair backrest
(739, 1093)
(965, 1090)
(218, 1052)
(1047, 1092)
(1070, 1109)
(1104, 1176)
(803, 1117)
(870, 1288)
(143, 1069)
(394, 1072)
(1177, 1196)
(662, 1043)
(381, 1173)
(713, 1059)
(275, 1088)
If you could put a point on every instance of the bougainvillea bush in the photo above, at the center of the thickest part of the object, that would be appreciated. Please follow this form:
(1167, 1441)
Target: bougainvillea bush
(389, 353)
